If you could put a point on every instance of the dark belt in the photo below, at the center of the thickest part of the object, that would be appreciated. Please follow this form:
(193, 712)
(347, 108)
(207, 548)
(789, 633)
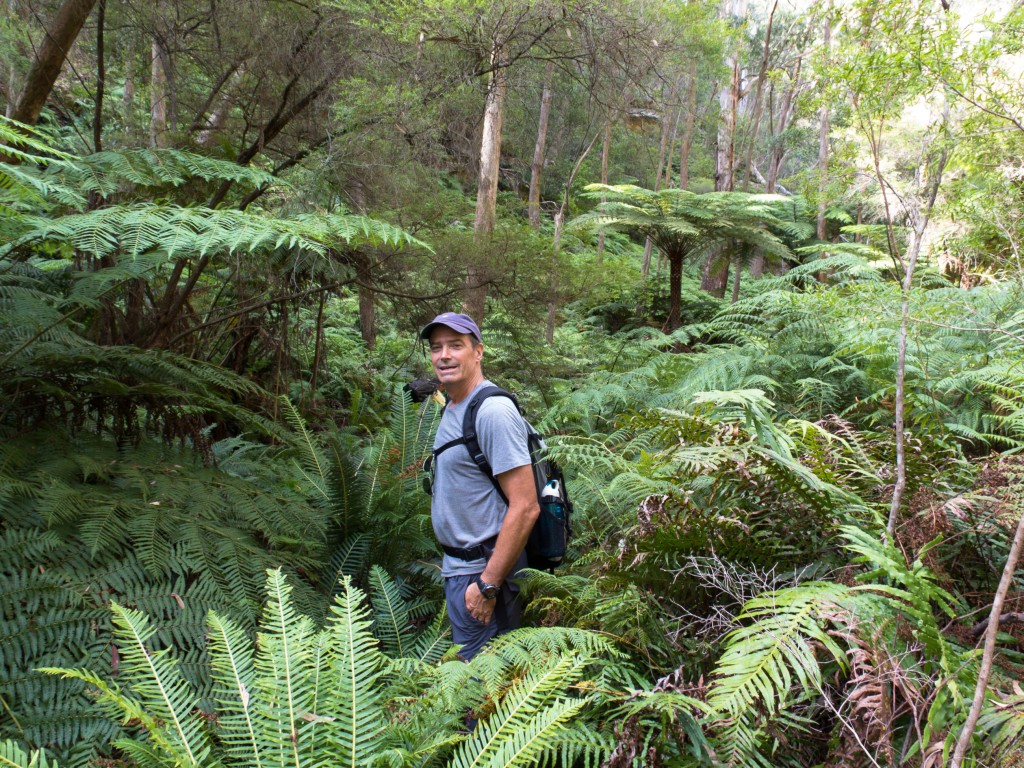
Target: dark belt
(480, 551)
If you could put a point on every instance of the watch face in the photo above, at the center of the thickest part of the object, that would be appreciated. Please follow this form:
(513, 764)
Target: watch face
(489, 591)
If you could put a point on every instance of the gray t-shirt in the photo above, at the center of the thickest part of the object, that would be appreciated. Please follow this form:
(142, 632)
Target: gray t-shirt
(465, 509)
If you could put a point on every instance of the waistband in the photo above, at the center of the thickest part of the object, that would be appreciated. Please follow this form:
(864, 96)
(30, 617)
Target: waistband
(480, 551)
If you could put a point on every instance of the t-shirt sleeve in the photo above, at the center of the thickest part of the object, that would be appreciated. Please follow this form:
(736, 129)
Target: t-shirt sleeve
(501, 432)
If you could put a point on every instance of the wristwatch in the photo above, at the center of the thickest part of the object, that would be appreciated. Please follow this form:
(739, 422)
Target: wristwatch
(489, 591)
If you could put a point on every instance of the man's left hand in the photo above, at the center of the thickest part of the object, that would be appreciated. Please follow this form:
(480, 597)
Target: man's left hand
(478, 606)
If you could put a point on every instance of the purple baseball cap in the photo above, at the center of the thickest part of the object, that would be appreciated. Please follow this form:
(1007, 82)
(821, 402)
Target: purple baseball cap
(457, 322)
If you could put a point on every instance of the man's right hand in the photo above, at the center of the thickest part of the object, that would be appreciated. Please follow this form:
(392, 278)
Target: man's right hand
(479, 607)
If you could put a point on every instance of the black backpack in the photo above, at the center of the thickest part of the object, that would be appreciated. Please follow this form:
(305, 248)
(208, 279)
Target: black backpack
(550, 536)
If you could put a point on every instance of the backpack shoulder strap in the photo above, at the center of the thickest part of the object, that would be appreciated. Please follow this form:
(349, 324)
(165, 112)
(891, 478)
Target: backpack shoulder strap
(469, 433)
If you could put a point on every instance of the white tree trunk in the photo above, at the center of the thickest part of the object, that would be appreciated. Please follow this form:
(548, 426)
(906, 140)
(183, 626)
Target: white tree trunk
(823, 126)
(605, 151)
(157, 97)
(475, 293)
(537, 168)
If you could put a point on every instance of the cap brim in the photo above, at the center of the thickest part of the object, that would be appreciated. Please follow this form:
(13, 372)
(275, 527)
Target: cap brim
(429, 329)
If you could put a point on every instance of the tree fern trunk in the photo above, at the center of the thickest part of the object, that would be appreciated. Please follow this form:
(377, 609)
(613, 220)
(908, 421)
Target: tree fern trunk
(675, 282)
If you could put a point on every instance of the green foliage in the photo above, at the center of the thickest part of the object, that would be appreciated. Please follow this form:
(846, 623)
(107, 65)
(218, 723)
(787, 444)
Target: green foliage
(300, 696)
(372, 495)
(84, 521)
(13, 756)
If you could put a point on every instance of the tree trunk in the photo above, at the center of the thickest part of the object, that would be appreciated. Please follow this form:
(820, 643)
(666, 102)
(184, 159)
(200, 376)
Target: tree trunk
(988, 655)
(367, 317)
(662, 146)
(920, 219)
(605, 150)
(15, 10)
(318, 347)
(549, 329)
(715, 276)
(157, 97)
(208, 127)
(823, 125)
(128, 96)
(667, 178)
(537, 168)
(778, 151)
(50, 59)
(475, 292)
(755, 122)
(728, 101)
(786, 114)
(675, 282)
(691, 119)
(101, 79)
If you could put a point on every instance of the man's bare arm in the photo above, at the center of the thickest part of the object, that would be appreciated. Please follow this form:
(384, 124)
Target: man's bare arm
(523, 510)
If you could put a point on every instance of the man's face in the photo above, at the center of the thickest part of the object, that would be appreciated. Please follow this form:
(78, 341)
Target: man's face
(456, 361)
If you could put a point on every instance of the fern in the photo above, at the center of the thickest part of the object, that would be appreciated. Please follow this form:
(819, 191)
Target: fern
(391, 614)
(12, 756)
(764, 661)
(83, 523)
(303, 697)
(528, 722)
(358, 664)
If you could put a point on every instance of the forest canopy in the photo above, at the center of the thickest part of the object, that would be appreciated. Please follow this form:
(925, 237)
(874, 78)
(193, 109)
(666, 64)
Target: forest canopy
(752, 268)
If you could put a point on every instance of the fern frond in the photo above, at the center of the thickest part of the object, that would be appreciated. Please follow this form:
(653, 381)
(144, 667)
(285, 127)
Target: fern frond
(528, 723)
(764, 661)
(13, 756)
(160, 684)
(391, 615)
(357, 730)
(235, 690)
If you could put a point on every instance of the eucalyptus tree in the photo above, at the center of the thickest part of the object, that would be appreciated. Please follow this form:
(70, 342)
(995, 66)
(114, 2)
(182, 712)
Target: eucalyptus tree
(495, 42)
(685, 225)
(55, 43)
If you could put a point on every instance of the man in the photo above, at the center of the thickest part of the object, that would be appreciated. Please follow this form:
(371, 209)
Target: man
(482, 536)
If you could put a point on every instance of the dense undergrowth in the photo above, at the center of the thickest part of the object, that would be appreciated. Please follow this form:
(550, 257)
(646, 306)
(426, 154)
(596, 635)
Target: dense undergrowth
(733, 598)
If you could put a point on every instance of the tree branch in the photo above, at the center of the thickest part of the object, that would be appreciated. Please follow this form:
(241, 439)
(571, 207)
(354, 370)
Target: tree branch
(990, 647)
